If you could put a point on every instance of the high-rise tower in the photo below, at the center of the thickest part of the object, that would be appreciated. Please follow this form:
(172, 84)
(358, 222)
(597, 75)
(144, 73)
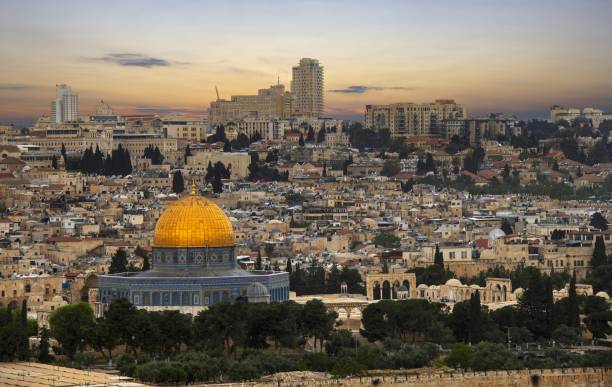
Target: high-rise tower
(65, 106)
(307, 88)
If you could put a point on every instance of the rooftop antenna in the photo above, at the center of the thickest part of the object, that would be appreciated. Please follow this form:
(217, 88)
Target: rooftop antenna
(217, 91)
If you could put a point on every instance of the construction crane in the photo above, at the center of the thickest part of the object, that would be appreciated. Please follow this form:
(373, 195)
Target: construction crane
(217, 91)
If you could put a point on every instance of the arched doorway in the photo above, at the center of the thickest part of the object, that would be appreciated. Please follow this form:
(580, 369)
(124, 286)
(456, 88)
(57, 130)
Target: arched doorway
(394, 290)
(407, 285)
(377, 291)
(386, 290)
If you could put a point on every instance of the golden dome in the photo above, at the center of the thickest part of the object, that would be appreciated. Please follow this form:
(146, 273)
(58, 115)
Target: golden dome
(193, 221)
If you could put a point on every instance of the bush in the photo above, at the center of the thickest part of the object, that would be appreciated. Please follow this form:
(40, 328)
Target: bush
(319, 362)
(347, 366)
(491, 356)
(84, 360)
(460, 356)
(565, 335)
(414, 356)
(339, 340)
(126, 364)
(270, 362)
(161, 372)
(243, 370)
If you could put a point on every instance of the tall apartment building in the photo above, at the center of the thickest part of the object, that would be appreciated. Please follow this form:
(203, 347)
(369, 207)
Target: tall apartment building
(271, 103)
(65, 106)
(307, 88)
(413, 119)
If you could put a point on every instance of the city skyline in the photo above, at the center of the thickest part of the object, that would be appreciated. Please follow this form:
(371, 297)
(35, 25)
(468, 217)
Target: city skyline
(150, 57)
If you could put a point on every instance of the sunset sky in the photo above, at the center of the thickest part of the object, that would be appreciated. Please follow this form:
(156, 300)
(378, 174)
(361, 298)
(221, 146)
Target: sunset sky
(144, 56)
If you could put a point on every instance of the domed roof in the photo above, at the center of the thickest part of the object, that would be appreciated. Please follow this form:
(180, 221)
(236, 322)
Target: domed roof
(193, 221)
(603, 295)
(257, 289)
(496, 233)
(454, 282)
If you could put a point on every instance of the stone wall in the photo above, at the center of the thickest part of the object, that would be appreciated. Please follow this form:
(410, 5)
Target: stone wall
(574, 377)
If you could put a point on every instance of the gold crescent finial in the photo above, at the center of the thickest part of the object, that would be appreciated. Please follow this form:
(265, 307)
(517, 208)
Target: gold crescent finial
(193, 186)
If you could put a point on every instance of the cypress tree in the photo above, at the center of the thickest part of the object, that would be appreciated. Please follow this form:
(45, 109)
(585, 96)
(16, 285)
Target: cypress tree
(258, 265)
(310, 136)
(438, 257)
(475, 318)
(573, 314)
(43, 349)
(178, 184)
(108, 165)
(24, 314)
(128, 162)
(98, 161)
(599, 253)
(210, 173)
(23, 349)
(289, 268)
(549, 307)
(301, 141)
(321, 135)
(187, 153)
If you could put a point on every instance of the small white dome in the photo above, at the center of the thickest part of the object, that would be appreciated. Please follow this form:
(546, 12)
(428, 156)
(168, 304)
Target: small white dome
(496, 233)
(474, 286)
(603, 295)
(454, 282)
(257, 289)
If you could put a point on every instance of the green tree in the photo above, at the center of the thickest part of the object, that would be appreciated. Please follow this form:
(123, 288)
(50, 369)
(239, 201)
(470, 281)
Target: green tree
(391, 167)
(598, 221)
(432, 275)
(119, 262)
(72, 326)
(506, 227)
(386, 240)
(317, 321)
(460, 356)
